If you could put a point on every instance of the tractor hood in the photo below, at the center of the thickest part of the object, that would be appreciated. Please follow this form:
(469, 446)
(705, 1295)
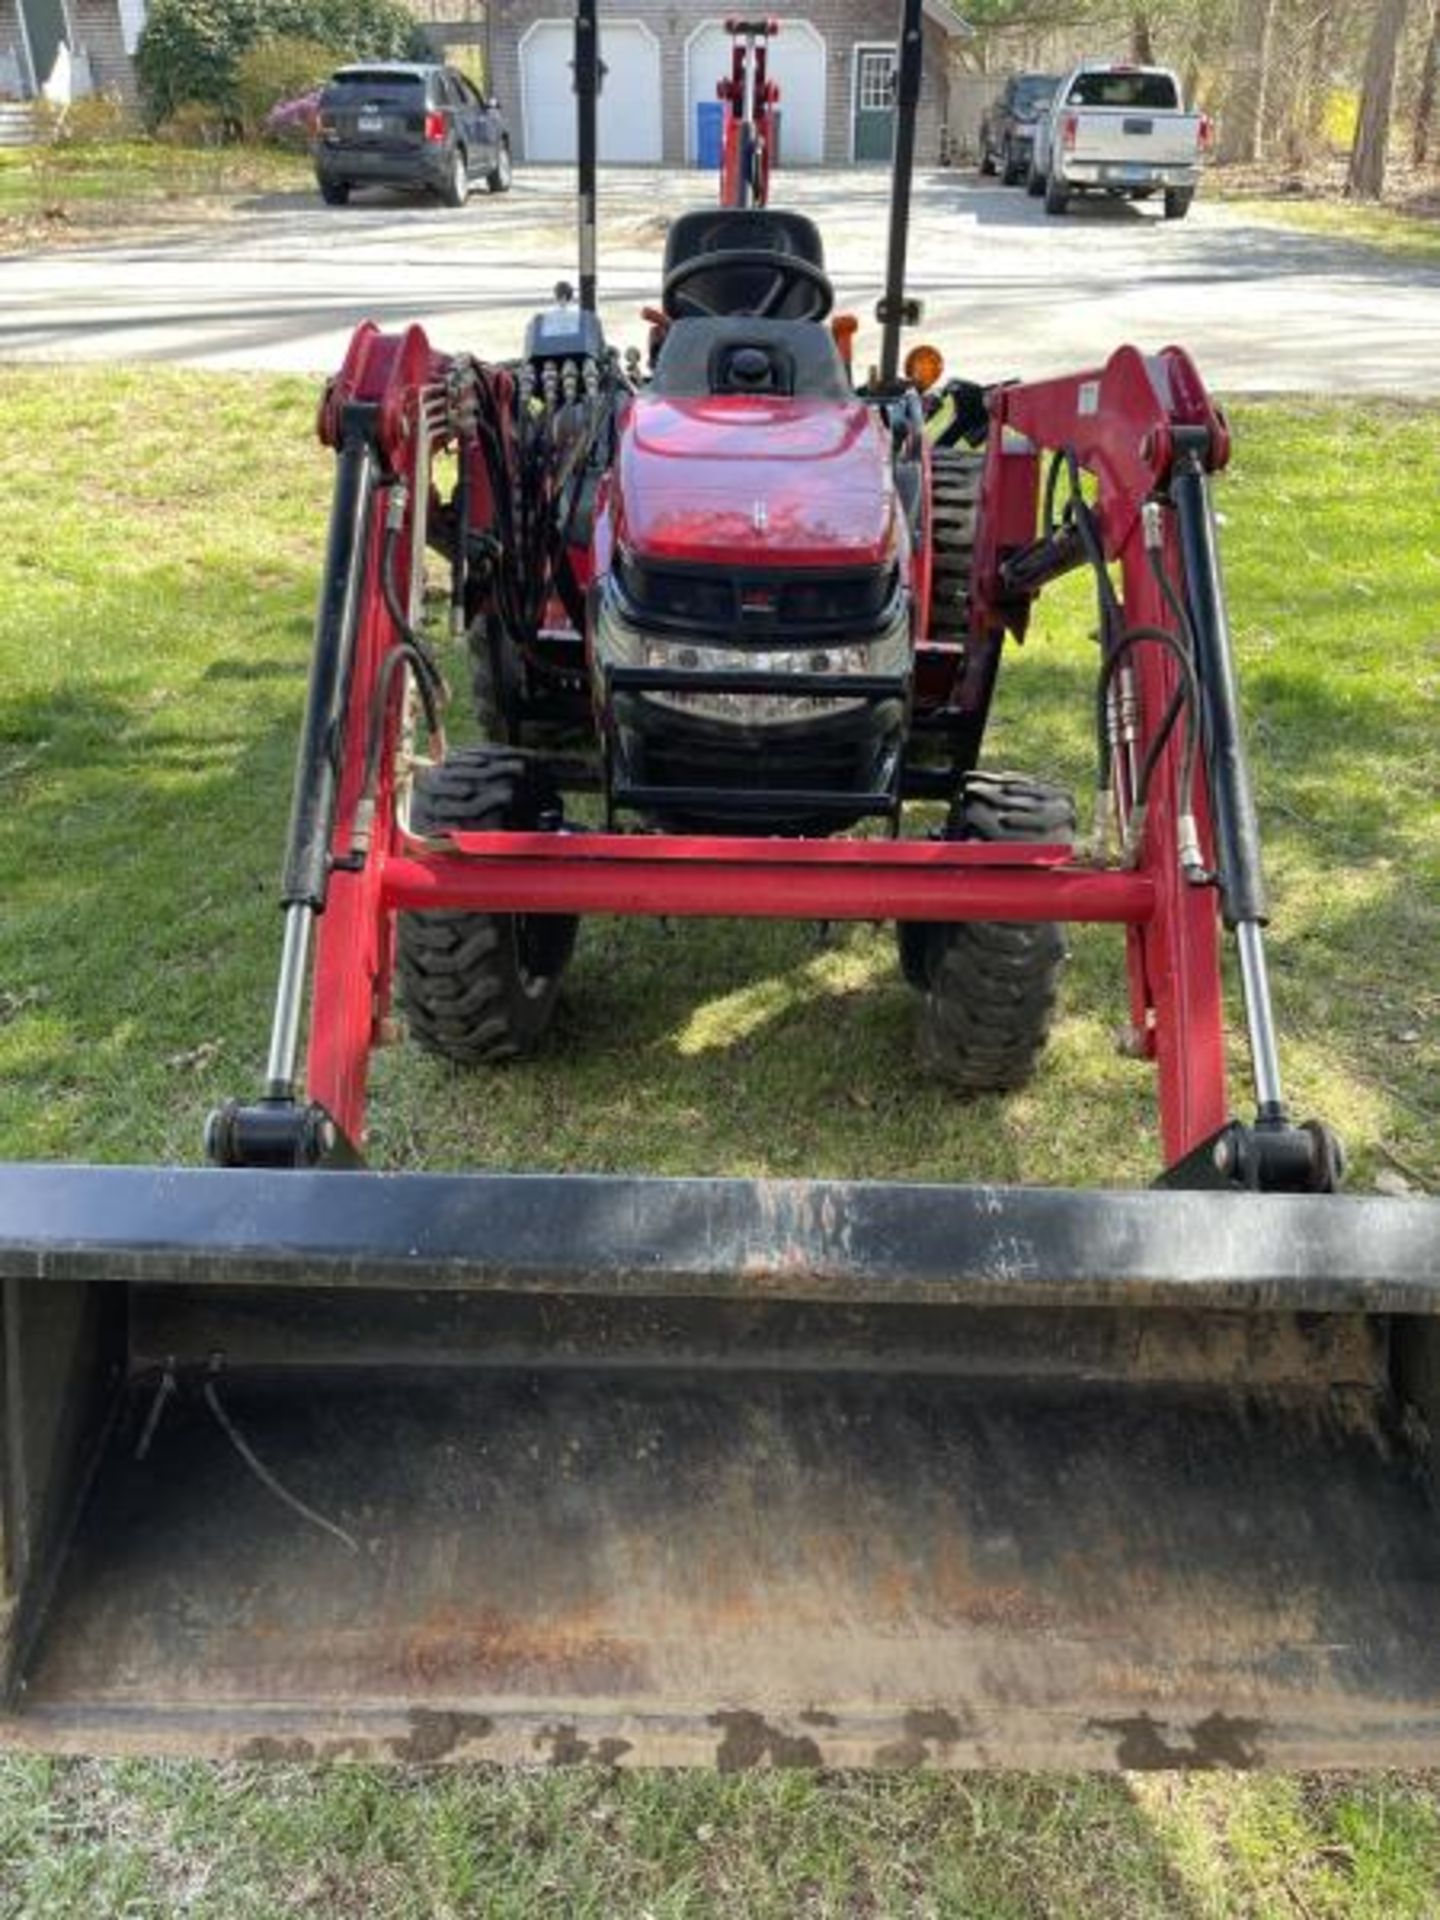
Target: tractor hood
(756, 481)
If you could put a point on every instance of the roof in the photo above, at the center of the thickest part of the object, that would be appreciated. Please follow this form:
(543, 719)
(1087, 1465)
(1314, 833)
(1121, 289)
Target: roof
(416, 68)
(946, 18)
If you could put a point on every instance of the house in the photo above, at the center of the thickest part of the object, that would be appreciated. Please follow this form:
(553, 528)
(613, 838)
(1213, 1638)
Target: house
(663, 59)
(66, 49)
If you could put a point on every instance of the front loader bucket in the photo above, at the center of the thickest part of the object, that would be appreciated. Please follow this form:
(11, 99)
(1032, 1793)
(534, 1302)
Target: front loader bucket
(535, 1469)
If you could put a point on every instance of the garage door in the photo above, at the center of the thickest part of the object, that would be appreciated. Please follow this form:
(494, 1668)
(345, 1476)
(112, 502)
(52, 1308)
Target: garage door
(629, 117)
(797, 61)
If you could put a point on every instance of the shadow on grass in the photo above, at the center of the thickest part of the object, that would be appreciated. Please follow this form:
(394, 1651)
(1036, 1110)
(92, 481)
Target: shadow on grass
(146, 836)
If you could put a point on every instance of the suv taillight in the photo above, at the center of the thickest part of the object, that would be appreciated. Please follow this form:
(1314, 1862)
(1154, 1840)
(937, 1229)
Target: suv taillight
(1069, 131)
(435, 127)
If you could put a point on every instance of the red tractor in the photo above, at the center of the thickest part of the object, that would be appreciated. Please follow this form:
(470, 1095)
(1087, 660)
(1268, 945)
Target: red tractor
(758, 602)
(301, 1460)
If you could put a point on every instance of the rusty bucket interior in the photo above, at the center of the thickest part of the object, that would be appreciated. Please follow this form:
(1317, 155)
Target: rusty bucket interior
(717, 1472)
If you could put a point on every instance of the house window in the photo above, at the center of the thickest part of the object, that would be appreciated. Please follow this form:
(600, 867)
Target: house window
(877, 80)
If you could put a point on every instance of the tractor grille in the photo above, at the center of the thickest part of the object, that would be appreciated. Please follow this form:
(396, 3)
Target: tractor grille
(804, 763)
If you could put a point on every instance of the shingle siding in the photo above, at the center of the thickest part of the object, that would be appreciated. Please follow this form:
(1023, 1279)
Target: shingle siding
(12, 40)
(98, 33)
(842, 25)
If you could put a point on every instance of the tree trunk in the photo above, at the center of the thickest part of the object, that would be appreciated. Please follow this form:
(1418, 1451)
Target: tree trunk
(1429, 82)
(1242, 124)
(1142, 42)
(1366, 180)
(1203, 36)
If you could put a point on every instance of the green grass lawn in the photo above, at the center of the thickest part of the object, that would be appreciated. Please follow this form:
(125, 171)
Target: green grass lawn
(97, 183)
(156, 588)
(1392, 230)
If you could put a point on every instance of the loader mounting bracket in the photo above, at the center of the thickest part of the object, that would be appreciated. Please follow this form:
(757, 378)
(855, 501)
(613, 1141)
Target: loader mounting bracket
(1270, 1157)
(277, 1133)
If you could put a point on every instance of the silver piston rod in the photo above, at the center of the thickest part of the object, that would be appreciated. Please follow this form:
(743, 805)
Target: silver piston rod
(1237, 829)
(317, 774)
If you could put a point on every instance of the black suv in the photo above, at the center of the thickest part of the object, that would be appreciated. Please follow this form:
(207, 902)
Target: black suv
(1007, 133)
(393, 124)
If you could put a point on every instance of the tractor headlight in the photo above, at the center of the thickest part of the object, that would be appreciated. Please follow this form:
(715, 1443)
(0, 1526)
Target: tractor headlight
(886, 653)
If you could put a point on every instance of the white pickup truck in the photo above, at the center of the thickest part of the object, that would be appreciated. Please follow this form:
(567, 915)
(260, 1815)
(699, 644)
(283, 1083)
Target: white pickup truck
(1121, 130)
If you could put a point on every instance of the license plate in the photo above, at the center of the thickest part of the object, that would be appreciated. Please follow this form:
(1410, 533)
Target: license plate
(1134, 173)
(371, 123)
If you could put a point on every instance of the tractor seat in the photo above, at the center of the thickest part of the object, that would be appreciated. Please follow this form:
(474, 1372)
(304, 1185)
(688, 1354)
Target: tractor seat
(739, 290)
(793, 359)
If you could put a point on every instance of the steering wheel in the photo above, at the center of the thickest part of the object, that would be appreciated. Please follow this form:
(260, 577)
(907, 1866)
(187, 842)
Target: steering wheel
(789, 269)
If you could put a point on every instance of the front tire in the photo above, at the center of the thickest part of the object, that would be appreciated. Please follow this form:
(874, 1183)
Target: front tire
(500, 175)
(989, 988)
(1177, 202)
(482, 987)
(335, 193)
(456, 190)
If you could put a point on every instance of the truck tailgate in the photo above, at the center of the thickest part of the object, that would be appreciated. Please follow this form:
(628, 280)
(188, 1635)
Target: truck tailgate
(1132, 134)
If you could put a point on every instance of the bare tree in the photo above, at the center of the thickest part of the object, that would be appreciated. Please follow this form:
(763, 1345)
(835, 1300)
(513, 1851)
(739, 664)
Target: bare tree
(1142, 38)
(1429, 83)
(1242, 127)
(1366, 179)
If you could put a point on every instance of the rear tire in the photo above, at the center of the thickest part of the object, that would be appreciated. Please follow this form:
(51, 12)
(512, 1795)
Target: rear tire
(990, 987)
(1177, 202)
(987, 163)
(499, 177)
(1057, 199)
(335, 193)
(482, 987)
(1034, 182)
(1012, 171)
(955, 477)
(456, 190)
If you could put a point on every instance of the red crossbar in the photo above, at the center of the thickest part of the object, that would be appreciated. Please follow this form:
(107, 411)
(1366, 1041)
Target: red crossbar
(693, 875)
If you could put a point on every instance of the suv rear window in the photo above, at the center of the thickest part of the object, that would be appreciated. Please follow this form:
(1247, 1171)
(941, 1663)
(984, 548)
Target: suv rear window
(375, 77)
(1152, 91)
(1034, 93)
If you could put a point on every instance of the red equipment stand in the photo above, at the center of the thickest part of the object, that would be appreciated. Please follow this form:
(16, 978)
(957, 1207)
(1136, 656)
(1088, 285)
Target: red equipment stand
(748, 97)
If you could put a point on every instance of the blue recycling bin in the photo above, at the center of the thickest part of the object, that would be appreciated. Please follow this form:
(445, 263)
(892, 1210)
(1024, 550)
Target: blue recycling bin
(709, 133)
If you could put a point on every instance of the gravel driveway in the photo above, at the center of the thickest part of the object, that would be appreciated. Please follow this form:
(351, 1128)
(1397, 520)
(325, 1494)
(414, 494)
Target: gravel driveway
(281, 282)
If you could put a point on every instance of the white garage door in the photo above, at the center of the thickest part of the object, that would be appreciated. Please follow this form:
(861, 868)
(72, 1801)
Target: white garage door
(629, 116)
(797, 61)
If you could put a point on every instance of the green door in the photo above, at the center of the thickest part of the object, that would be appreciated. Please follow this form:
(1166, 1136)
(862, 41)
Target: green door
(874, 103)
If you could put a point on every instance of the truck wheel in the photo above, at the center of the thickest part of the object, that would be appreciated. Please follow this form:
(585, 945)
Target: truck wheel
(990, 987)
(1012, 172)
(1034, 182)
(1056, 197)
(335, 193)
(499, 177)
(1177, 202)
(987, 162)
(480, 987)
(456, 190)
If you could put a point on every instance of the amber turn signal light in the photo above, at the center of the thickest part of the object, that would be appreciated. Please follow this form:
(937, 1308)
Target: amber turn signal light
(923, 367)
